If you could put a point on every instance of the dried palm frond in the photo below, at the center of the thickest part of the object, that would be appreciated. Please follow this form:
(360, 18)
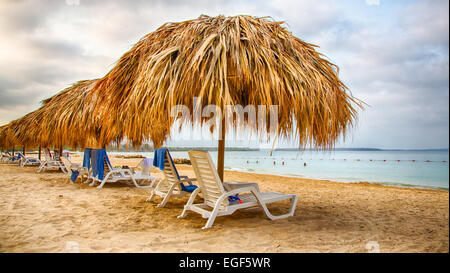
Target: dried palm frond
(239, 60)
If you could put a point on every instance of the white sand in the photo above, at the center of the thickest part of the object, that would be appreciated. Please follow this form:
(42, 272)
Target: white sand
(44, 213)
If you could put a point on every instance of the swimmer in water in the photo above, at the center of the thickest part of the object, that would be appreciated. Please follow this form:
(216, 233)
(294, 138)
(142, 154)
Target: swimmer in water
(304, 164)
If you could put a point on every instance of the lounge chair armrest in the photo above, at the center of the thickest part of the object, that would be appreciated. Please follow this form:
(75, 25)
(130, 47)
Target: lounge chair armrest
(189, 180)
(251, 189)
(234, 185)
(241, 190)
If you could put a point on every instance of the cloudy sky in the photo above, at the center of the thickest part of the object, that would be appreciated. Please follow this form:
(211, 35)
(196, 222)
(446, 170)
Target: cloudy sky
(394, 55)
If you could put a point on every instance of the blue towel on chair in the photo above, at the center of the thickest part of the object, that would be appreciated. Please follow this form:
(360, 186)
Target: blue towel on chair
(87, 158)
(94, 159)
(159, 157)
(158, 161)
(74, 175)
(101, 156)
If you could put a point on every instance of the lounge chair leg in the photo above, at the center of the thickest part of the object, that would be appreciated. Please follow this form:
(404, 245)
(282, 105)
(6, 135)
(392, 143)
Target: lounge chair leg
(189, 203)
(151, 196)
(167, 197)
(164, 201)
(153, 191)
(276, 217)
(211, 219)
(101, 185)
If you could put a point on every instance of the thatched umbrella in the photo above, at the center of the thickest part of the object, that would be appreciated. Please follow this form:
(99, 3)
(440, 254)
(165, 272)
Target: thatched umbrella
(240, 60)
(5, 141)
(68, 117)
(63, 119)
(25, 131)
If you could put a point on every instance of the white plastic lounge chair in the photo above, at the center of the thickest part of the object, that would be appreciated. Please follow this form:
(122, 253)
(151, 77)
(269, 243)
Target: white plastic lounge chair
(50, 163)
(216, 195)
(170, 186)
(25, 160)
(6, 157)
(9, 158)
(112, 175)
(70, 167)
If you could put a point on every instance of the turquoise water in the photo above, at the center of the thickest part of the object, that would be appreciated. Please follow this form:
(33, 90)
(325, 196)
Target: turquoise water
(430, 169)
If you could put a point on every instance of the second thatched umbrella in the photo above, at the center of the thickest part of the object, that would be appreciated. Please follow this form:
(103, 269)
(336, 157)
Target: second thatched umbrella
(240, 60)
(64, 119)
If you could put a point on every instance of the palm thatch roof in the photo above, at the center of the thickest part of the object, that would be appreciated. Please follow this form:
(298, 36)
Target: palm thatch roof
(5, 141)
(64, 119)
(25, 131)
(68, 119)
(239, 60)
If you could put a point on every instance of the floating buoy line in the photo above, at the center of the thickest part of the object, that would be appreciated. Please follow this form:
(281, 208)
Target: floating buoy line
(283, 160)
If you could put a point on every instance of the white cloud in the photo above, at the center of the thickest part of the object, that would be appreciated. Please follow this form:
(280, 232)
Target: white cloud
(398, 65)
(373, 2)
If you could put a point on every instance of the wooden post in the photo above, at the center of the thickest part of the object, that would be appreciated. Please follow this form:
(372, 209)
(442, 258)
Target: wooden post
(60, 151)
(24, 150)
(39, 152)
(221, 149)
(13, 151)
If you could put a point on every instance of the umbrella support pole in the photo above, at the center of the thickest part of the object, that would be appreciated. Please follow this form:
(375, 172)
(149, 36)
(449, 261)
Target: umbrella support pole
(221, 150)
(24, 150)
(39, 152)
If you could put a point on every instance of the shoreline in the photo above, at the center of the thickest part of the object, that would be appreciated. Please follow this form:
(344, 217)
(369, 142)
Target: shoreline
(385, 184)
(301, 176)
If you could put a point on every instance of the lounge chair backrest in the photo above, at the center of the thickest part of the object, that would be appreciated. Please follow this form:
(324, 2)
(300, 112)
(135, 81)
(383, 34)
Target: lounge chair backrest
(207, 177)
(47, 154)
(145, 169)
(107, 168)
(170, 172)
(56, 155)
(67, 164)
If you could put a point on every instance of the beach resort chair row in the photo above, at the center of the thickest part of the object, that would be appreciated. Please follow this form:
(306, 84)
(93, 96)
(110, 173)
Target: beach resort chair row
(28, 161)
(98, 170)
(7, 157)
(51, 163)
(20, 159)
(219, 198)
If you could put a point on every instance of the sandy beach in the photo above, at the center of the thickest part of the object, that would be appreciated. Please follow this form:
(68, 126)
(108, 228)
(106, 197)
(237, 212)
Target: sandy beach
(44, 213)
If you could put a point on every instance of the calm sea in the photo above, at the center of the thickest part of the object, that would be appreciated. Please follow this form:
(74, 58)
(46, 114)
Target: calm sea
(424, 169)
